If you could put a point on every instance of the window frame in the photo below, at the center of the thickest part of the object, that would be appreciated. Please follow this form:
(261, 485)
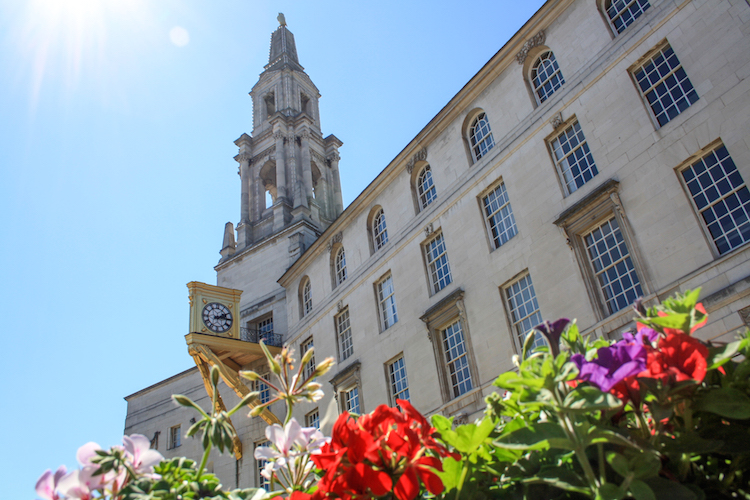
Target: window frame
(634, 18)
(393, 393)
(174, 438)
(580, 219)
(305, 346)
(423, 200)
(639, 66)
(379, 237)
(559, 131)
(312, 419)
(339, 266)
(260, 481)
(517, 335)
(344, 382)
(385, 318)
(433, 279)
(342, 350)
(691, 162)
(538, 59)
(487, 137)
(305, 297)
(486, 218)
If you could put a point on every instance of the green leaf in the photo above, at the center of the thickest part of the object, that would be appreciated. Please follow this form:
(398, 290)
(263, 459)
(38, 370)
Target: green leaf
(584, 399)
(609, 491)
(536, 437)
(599, 435)
(719, 355)
(664, 488)
(641, 491)
(451, 474)
(562, 478)
(726, 402)
(674, 320)
(646, 464)
(470, 436)
(528, 343)
(619, 463)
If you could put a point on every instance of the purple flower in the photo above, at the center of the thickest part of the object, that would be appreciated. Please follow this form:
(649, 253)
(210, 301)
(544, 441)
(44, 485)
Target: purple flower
(644, 336)
(552, 332)
(612, 364)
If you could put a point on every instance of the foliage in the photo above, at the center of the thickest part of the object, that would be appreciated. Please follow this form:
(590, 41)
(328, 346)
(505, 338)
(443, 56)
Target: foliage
(657, 414)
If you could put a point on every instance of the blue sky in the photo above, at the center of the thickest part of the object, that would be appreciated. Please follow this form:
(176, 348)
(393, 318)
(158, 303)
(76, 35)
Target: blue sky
(117, 174)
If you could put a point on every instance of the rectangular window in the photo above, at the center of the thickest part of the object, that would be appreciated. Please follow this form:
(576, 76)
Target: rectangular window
(612, 265)
(351, 400)
(264, 392)
(524, 310)
(344, 333)
(437, 263)
(398, 381)
(312, 419)
(387, 302)
(573, 159)
(261, 481)
(265, 327)
(721, 197)
(665, 85)
(310, 366)
(499, 216)
(456, 359)
(174, 437)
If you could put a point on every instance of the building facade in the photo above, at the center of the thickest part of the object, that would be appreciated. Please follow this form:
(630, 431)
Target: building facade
(600, 155)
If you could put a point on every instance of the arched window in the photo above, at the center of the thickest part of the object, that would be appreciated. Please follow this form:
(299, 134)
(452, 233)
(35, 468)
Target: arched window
(379, 231)
(546, 76)
(340, 266)
(622, 13)
(305, 297)
(425, 188)
(480, 136)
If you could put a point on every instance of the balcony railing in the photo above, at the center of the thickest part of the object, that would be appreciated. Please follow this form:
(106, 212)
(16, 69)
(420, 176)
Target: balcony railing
(255, 336)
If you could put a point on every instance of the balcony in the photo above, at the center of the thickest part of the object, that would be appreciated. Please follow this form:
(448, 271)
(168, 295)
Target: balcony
(255, 336)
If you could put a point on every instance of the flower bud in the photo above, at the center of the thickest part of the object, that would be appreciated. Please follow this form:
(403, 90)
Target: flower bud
(249, 375)
(323, 367)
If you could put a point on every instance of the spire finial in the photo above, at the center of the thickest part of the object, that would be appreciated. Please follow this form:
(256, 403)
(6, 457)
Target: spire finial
(281, 19)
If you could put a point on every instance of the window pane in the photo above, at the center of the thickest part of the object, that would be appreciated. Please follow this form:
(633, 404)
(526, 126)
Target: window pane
(524, 309)
(546, 76)
(573, 158)
(499, 215)
(398, 380)
(456, 359)
(437, 263)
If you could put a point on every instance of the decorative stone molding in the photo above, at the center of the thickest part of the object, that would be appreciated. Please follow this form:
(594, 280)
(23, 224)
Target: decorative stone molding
(336, 238)
(319, 158)
(556, 121)
(429, 229)
(745, 315)
(332, 157)
(243, 157)
(340, 306)
(279, 135)
(418, 156)
(304, 135)
(532, 42)
(265, 155)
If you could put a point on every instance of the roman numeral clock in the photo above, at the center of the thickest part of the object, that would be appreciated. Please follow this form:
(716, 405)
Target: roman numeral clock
(214, 310)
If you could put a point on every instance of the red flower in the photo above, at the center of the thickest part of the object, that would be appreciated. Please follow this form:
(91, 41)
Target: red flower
(383, 452)
(679, 357)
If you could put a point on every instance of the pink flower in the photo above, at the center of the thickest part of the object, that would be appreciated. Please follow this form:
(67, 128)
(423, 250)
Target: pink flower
(142, 456)
(80, 484)
(46, 486)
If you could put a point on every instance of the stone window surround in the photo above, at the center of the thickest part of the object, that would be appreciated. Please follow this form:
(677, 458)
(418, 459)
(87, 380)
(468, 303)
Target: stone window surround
(432, 284)
(375, 237)
(346, 380)
(515, 334)
(311, 417)
(305, 297)
(485, 219)
(174, 438)
(340, 352)
(601, 4)
(543, 52)
(338, 275)
(304, 346)
(377, 286)
(425, 193)
(437, 318)
(591, 210)
(560, 127)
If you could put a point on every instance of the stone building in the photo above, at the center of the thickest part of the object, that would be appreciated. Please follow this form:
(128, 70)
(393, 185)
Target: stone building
(600, 155)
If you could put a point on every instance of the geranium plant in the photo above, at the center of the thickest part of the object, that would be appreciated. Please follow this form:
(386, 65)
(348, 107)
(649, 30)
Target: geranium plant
(656, 414)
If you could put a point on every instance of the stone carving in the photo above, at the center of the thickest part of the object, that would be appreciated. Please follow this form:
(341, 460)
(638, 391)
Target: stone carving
(428, 229)
(340, 305)
(617, 203)
(336, 238)
(532, 42)
(319, 158)
(304, 135)
(745, 315)
(243, 157)
(460, 419)
(418, 156)
(264, 155)
(279, 135)
(333, 157)
(556, 121)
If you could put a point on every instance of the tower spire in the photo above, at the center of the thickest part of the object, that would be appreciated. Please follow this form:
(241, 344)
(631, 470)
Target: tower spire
(283, 49)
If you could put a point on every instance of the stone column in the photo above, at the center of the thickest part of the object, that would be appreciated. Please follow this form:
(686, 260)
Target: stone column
(244, 160)
(281, 191)
(299, 199)
(306, 165)
(338, 202)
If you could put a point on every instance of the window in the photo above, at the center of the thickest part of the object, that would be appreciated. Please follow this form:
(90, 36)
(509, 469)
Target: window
(437, 263)
(387, 302)
(498, 214)
(612, 265)
(264, 392)
(524, 310)
(174, 437)
(425, 188)
(622, 13)
(573, 158)
(546, 76)
(340, 266)
(665, 85)
(398, 381)
(351, 400)
(379, 231)
(265, 328)
(456, 359)
(312, 419)
(262, 481)
(344, 333)
(305, 297)
(480, 137)
(598, 231)
(310, 366)
(721, 198)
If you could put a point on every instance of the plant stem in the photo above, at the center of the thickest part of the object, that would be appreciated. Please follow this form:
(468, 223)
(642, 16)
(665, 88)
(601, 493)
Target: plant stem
(602, 469)
(464, 472)
(580, 452)
(203, 463)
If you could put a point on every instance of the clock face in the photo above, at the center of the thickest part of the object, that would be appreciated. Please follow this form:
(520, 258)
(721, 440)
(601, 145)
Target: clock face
(217, 317)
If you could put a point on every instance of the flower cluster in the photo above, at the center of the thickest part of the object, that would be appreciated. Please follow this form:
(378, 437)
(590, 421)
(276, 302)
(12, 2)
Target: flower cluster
(288, 457)
(101, 471)
(385, 451)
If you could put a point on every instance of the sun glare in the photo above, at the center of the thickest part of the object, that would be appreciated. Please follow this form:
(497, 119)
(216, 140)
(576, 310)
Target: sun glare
(65, 40)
